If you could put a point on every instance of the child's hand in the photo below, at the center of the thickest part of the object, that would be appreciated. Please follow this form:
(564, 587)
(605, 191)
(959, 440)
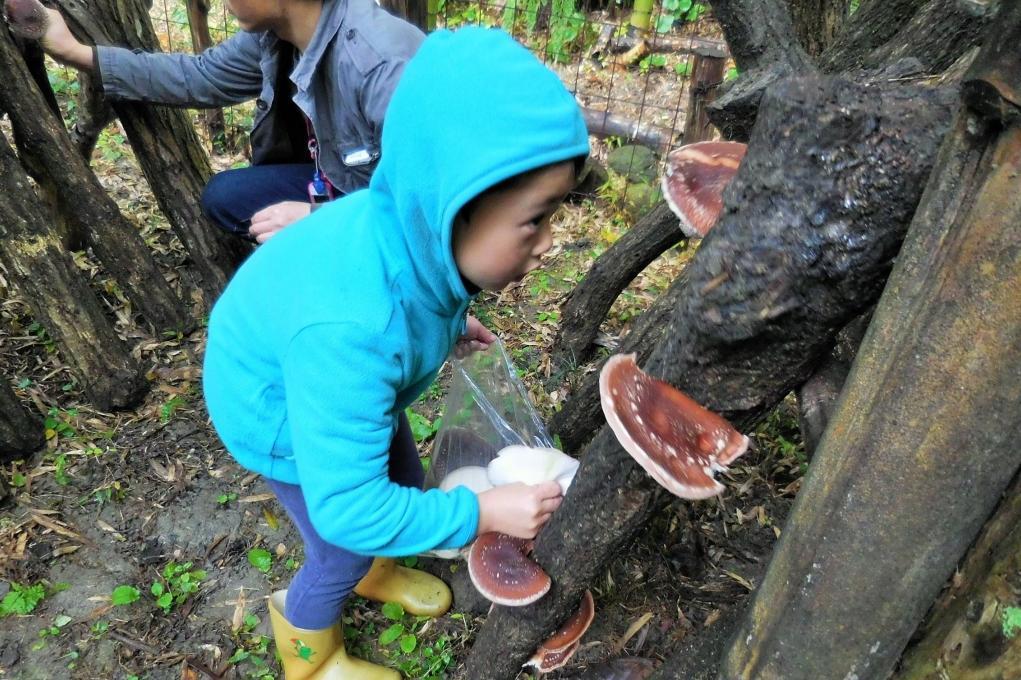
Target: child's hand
(518, 509)
(475, 339)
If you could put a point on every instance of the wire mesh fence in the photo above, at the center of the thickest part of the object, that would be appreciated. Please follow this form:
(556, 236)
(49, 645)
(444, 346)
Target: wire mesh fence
(629, 87)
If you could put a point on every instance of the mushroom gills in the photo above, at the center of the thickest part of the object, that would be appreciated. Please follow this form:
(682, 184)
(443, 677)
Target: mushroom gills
(693, 181)
(561, 646)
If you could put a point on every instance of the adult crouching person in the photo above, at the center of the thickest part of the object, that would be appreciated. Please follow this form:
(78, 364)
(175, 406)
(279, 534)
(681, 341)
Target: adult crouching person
(321, 73)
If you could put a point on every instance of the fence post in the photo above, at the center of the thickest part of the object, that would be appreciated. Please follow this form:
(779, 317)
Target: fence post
(706, 76)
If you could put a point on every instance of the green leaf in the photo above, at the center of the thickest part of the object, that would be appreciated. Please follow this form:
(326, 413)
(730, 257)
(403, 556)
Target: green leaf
(1011, 622)
(421, 427)
(408, 643)
(123, 595)
(670, 6)
(156, 589)
(664, 22)
(22, 599)
(391, 634)
(18, 480)
(261, 559)
(165, 602)
(61, 620)
(393, 611)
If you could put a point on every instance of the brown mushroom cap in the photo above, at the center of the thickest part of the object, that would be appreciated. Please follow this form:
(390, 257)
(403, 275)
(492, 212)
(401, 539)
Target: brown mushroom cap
(694, 179)
(27, 18)
(679, 443)
(561, 646)
(501, 570)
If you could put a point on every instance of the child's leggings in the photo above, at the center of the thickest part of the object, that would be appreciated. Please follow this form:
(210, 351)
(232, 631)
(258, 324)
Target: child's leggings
(329, 573)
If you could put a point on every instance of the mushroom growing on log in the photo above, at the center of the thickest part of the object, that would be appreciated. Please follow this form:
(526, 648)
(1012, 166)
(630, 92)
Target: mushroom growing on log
(503, 572)
(557, 650)
(694, 179)
(678, 442)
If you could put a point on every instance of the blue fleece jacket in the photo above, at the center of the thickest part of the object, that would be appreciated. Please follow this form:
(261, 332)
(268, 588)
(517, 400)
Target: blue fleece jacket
(339, 322)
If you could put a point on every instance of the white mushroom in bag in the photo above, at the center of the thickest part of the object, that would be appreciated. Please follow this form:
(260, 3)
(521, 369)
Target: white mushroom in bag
(474, 477)
(532, 466)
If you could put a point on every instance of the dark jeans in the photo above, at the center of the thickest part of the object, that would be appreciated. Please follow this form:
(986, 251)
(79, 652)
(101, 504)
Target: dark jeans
(329, 573)
(231, 197)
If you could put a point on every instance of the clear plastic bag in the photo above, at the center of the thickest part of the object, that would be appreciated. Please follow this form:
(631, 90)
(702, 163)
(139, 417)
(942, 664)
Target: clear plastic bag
(486, 409)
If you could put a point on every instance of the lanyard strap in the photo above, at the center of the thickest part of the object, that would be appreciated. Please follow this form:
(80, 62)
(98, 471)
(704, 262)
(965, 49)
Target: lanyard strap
(320, 189)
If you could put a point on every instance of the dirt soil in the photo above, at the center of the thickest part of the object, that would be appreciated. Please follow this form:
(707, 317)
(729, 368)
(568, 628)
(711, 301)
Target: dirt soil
(116, 501)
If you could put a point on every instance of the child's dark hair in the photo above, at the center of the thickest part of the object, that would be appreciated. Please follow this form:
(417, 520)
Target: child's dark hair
(510, 182)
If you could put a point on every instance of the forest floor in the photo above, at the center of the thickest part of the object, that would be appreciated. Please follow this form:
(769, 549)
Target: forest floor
(134, 547)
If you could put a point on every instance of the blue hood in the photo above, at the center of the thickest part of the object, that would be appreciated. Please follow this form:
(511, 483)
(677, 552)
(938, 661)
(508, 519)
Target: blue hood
(443, 146)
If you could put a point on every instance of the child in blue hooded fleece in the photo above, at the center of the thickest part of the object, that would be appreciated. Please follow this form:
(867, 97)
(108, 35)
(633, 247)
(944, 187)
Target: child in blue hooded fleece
(337, 324)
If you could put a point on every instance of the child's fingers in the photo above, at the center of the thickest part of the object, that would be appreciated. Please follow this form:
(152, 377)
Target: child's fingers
(546, 490)
(549, 505)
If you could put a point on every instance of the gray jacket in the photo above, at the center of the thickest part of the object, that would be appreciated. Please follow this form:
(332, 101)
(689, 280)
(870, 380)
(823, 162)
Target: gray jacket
(343, 84)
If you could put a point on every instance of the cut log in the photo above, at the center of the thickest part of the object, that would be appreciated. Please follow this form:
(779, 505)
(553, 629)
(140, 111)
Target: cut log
(587, 304)
(706, 79)
(21, 431)
(605, 124)
(924, 441)
(80, 199)
(789, 264)
(165, 144)
(60, 299)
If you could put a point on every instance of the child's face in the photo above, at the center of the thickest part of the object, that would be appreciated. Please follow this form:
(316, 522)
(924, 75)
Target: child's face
(507, 231)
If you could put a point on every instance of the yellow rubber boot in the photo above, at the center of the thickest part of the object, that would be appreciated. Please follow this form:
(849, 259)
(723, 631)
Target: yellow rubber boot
(419, 593)
(318, 654)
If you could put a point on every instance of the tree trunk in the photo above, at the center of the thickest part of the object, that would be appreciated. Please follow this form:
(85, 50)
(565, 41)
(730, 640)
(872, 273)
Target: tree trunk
(165, 144)
(198, 25)
(938, 33)
(789, 264)
(880, 25)
(816, 22)
(414, 11)
(586, 306)
(924, 441)
(21, 431)
(80, 199)
(969, 635)
(93, 114)
(58, 296)
(765, 47)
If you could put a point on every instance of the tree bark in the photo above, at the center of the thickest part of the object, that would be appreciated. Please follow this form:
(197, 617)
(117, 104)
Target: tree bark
(79, 197)
(883, 30)
(21, 431)
(414, 11)
(198, 25)
(967, 637)
(765, 47)
(938, 33)
(817, 398)
(165, 144)
(586, 306)
(930, 418)
(94, 114)
(790, 263)
(816, 22)
(58, 296)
